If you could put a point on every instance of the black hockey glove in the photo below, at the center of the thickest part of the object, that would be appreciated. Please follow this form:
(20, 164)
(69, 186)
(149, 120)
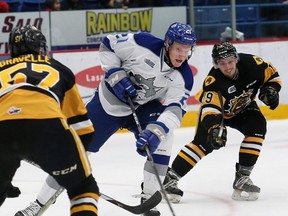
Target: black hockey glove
(269, 96)
(217, 136)
(13, 191)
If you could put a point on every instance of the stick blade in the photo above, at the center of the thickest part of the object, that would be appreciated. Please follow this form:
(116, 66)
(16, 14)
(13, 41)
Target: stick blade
(153, 201)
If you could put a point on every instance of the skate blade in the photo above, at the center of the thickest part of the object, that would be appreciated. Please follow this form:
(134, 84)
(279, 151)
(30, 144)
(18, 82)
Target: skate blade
(244, 196)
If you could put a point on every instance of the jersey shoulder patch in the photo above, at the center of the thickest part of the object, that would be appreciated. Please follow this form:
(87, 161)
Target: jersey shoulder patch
(209, 80)
(258, 60)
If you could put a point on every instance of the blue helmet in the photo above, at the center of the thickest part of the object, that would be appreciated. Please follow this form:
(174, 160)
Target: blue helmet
(180, 33)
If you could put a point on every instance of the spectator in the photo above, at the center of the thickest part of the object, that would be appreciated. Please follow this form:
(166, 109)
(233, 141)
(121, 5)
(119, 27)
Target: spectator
(4, 7)
(53, 5)
(74, 5)
(116, 4)
(146, 3)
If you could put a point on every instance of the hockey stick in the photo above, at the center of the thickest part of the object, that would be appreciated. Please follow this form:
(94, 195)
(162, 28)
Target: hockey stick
(219, 139)
(153, 201)
(51, 201)
(150, 156)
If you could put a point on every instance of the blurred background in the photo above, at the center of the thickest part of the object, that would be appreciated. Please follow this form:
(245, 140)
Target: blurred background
(211, 19)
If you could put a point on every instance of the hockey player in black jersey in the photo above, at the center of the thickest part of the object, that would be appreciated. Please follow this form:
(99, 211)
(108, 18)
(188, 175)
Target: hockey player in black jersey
(43, 119)
(234, 80)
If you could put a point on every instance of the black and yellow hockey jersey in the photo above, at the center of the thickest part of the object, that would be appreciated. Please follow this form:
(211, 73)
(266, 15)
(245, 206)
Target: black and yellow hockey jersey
(40, 87)
(237, 94)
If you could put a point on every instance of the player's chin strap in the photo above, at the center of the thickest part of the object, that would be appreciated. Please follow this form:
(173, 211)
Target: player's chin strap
(150, 158)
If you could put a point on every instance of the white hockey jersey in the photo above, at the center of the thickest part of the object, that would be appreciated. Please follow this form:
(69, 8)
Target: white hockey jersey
(142, 57)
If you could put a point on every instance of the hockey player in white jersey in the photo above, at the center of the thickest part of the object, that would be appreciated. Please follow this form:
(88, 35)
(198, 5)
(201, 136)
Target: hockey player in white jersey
(155, 74)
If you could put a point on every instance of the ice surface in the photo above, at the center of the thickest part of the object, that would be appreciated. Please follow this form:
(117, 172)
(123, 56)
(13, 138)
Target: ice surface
(207, 188)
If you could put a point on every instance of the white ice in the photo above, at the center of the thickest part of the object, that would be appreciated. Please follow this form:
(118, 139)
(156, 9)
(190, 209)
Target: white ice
(207, 188)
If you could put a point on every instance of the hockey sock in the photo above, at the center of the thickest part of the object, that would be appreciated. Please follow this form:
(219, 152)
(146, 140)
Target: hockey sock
(186, 159)
(48, 189)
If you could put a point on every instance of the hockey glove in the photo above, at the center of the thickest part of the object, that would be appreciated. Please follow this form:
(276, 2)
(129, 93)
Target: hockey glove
(269, 96)
(217, 136)
(122, 86)
(151, 137)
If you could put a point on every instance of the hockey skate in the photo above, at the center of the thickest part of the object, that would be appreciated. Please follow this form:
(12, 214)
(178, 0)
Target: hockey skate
(32, 210)
(244, 189)
(174, 194)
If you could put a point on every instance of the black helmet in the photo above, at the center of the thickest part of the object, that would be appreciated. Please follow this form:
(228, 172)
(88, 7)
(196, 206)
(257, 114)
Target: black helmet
(26, 40)
(223, 50)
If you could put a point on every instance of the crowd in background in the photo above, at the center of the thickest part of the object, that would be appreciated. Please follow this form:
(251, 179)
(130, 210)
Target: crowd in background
(4, 7)
(56, 5)
(271, 13)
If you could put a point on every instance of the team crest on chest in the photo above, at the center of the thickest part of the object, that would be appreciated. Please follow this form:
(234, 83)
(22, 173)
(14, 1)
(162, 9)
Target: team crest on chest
(238, 103)
(146, 86)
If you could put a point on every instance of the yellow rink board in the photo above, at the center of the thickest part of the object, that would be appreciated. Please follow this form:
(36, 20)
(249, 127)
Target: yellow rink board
(281, 112)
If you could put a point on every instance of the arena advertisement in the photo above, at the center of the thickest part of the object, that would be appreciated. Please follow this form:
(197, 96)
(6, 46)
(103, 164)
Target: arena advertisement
(86, 67)
(92, 26)
(87, 28)
(106, 22)
(10, 20)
